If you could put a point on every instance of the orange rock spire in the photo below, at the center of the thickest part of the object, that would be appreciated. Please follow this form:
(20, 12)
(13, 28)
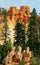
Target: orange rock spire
(21, 14)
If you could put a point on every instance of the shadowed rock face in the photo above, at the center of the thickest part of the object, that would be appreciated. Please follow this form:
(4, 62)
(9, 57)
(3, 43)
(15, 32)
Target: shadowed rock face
(14, 59)
(25, 56)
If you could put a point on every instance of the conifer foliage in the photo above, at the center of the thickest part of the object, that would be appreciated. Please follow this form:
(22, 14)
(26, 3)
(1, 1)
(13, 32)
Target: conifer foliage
(32, 32)
(20, 34)
(5, 30)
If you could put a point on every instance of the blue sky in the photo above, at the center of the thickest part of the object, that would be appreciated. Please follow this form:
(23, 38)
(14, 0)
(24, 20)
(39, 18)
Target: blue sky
(32, 3)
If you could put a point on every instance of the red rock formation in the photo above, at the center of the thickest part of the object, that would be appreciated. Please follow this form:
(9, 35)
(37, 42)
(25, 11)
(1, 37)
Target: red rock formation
(21, 14)
(14, 59)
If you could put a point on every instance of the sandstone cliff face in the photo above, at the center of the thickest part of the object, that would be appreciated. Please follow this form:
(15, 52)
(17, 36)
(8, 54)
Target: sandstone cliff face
(21, 14)
(14, 14)
(16, 56)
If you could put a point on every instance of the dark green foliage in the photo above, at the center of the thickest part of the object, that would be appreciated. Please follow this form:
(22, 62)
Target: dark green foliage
(1, 53)
(20, 34)
(35, 60)
(4, 49)
(22, 63)
(5, 30)
(32, 32)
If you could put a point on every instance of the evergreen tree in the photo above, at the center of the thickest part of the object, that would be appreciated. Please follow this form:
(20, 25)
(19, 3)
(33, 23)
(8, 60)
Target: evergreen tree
(1, 54)
(5, 30)
(32, 32)
(20, 34)
(38, 29)
(4, 49)
(0, 10)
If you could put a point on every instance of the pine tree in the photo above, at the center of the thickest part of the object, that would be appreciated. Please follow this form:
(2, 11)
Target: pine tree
(20, 35)
(32, 31)
(4, 49)
(5, 31)
(38, 28)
